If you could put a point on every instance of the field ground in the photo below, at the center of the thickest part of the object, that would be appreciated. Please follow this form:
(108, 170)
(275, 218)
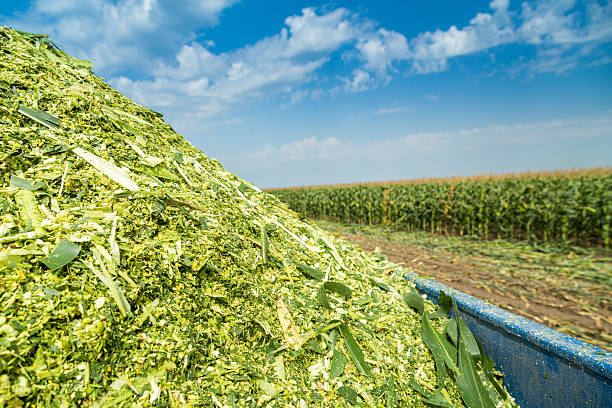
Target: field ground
(566, 288)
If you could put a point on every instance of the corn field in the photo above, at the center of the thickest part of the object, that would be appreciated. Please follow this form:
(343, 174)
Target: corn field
(566, 208)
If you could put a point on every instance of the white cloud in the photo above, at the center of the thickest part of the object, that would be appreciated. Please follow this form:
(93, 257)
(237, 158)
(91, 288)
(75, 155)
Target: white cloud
(320, 33)
(360, 81)
(117, 35)
(564, 34)
(381, 111)
(213, 82)
(558, 28)
(378, 51)
(274, 65)
(381, 48)
(605, 60)
(560, 22)
(547, 22)
(429, 66)
(431, 50)
(316, 94)
(388, 111)
(554, 60)
(432, 97)
(296, 97)
(310, 148)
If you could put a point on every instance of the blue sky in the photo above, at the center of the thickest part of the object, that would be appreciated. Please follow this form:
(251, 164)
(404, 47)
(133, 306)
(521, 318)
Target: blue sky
(311, 92)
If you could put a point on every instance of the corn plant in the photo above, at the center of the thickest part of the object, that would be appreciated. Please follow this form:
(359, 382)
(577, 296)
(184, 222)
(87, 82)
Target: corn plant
(567, 208)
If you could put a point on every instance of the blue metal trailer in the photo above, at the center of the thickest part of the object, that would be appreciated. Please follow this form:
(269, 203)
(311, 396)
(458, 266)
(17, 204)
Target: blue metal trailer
(542, 368)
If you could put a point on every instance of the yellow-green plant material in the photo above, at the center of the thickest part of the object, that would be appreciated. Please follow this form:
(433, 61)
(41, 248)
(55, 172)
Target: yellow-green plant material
(136, 271)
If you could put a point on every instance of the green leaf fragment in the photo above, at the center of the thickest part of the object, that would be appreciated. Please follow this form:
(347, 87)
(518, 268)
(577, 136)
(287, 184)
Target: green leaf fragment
(451, 330)
(441, 373)
(41, 117)
(147, 159)
(469, 382)
(122, 390)
(27, 184)
(268, 388)
(22, 387)
(81, 63)
(50, 293)
(337, 287)
(322, 298)
(466, 334)
(438, 400)
(435, 398)
(8, 257)
(354, 351)
(32, 35)
(337, 365)
(445, 303)
(310, 272)
(279, 368)
(469, 340)
(61, 255)
(28, 208)
(158, 171)
(441, 349)
(178, 157)
(417, 387)
(348, 393)
(414, 300)
(488, 365)
(380, 285)
(329, 246)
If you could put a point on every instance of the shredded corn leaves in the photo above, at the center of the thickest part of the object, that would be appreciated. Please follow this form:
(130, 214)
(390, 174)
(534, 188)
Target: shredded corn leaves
(136, 271)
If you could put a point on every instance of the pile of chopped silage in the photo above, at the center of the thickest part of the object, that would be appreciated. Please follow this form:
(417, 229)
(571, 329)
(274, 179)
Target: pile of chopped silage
(136, 271)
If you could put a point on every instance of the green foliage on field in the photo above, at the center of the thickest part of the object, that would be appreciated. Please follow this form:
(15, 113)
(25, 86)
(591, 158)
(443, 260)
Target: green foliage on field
(576, 209)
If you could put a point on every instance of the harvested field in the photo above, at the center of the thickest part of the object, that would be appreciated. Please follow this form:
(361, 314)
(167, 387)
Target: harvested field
(566, 288)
